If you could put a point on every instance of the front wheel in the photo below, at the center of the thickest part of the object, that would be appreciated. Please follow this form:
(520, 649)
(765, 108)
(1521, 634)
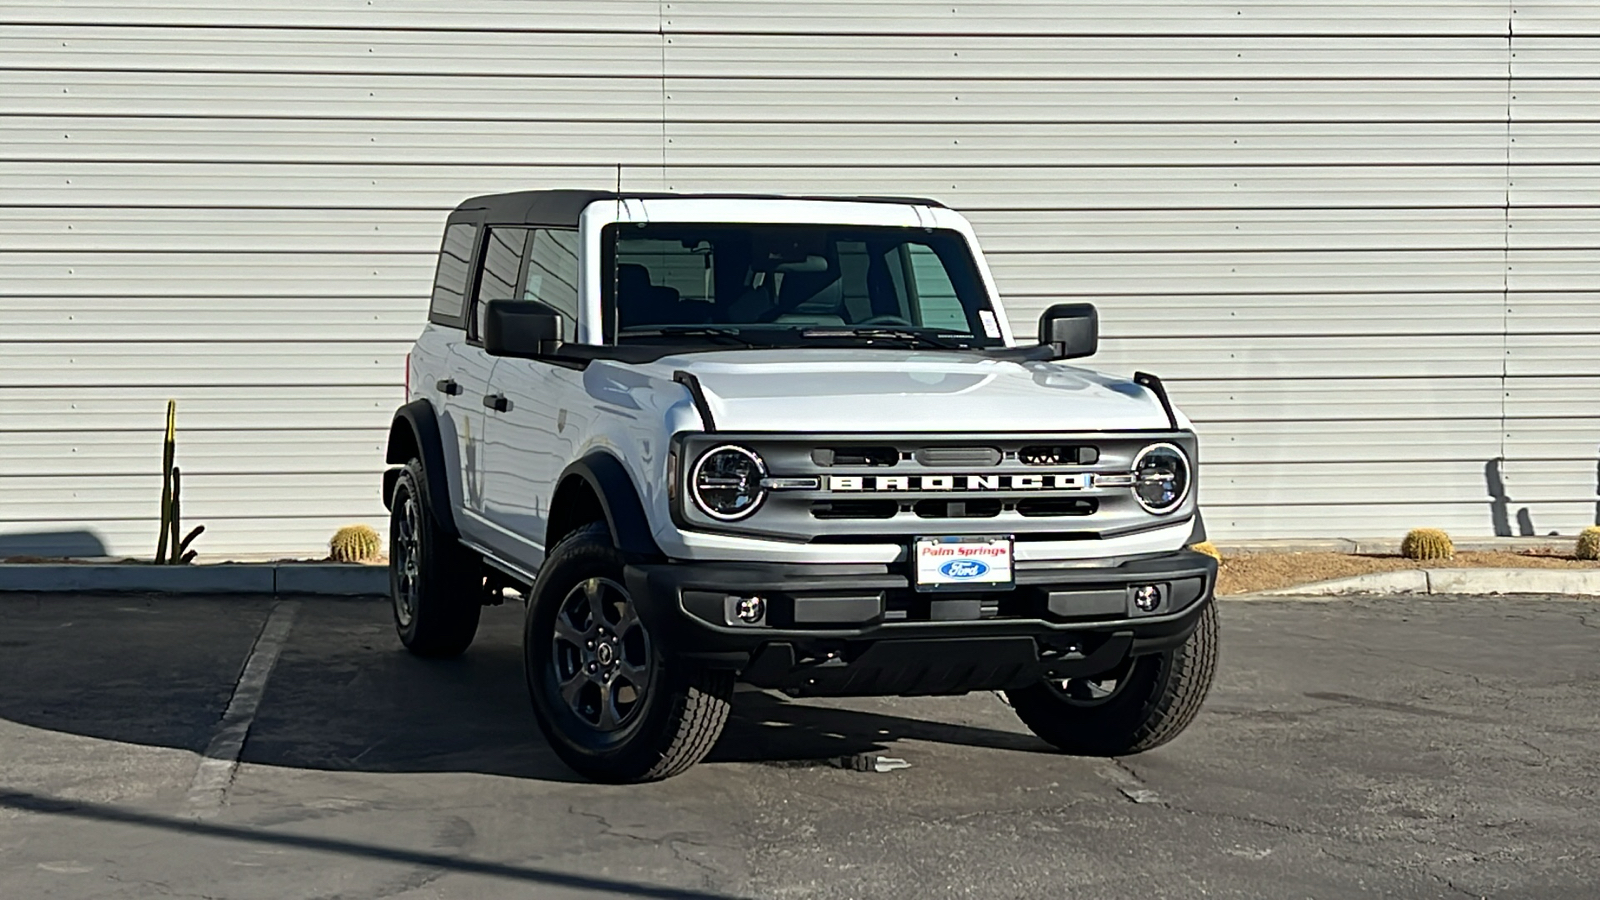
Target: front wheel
(610, 699)
(1140, 705)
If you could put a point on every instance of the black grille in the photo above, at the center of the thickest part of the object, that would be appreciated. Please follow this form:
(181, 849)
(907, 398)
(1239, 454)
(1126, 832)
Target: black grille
(855, 509)
(957, 509)
(1041, 507)
(855, 456)
(964, 457)
(1047, 455)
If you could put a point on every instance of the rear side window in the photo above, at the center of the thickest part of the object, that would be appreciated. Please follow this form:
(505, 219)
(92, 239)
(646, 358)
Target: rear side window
(450, 281)
(553, 275)
(497, 280)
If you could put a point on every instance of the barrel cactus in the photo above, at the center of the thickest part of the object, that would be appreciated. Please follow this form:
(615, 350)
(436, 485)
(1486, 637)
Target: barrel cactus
(1427, 543)
(1588, 543)
(1208, 549)
(355, 543)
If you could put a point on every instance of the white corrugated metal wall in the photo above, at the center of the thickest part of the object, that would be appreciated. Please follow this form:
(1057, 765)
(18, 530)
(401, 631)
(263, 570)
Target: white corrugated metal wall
(1358, 238)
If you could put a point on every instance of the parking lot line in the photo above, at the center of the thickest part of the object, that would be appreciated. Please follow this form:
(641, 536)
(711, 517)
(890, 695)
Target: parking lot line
(215, 773)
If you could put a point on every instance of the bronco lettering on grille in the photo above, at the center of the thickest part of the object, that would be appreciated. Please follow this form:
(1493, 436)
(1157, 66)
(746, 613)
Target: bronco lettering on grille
(909, 484)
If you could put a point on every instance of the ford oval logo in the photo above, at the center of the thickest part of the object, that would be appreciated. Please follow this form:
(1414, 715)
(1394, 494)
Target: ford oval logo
(964, 568)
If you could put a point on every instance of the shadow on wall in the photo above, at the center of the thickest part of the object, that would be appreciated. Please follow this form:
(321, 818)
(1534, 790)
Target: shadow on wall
(1500, 502)
(52, 544)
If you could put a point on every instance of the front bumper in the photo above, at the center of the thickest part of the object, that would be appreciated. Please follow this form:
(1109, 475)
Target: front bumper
(864, 630)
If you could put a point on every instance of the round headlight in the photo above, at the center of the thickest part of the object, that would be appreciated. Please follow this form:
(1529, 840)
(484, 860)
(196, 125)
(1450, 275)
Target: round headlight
(726, 482)
(1161, 478)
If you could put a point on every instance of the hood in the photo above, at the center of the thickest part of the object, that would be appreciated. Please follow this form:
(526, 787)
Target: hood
(910, 391)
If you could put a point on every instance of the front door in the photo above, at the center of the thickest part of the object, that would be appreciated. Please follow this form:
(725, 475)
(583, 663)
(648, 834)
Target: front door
(531, 424)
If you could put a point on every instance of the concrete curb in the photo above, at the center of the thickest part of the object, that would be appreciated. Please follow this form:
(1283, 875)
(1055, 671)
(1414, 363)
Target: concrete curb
(1577, 582)
(1387, 546)
(326, 579)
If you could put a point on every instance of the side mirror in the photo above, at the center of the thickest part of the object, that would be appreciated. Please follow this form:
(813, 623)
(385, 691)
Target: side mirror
(525, 328)
(1072, 330)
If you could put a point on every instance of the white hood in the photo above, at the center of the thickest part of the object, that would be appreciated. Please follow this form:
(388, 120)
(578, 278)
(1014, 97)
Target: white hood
(910, 391)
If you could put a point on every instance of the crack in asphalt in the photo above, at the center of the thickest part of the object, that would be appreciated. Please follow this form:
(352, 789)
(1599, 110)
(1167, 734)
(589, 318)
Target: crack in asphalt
(674, 842)
(1545, 756)
(1419, 869)
(1452, 885)
(1408, 836)
(711, 873)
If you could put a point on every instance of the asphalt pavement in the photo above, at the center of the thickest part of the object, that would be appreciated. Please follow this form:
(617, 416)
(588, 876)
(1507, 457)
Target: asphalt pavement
(1376, 747)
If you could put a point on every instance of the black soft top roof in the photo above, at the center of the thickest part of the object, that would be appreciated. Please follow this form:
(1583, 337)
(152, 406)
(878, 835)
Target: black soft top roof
(560, 209)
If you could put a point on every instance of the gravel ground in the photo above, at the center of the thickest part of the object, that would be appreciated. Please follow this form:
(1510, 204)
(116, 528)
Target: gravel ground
(1245, 572)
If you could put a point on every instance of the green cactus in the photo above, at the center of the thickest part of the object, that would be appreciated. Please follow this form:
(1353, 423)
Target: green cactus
(355, 543)
(1588, 543)
(1427, 543)
(170, 550)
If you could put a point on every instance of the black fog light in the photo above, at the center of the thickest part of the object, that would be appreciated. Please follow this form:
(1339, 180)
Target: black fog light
(748, 610)
(1147, 597)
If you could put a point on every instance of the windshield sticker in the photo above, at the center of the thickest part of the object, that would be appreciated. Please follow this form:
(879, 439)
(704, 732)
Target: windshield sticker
(991, 325)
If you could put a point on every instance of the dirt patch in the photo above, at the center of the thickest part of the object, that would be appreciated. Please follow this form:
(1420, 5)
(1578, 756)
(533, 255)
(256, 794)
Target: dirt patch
(78, 561)
(73, 561)
(1246, 572)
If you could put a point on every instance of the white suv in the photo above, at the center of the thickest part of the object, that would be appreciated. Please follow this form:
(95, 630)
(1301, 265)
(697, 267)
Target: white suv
(790, 442)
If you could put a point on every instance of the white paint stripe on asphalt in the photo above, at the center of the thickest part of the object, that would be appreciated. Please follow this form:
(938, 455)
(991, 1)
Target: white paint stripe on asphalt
(215, 774)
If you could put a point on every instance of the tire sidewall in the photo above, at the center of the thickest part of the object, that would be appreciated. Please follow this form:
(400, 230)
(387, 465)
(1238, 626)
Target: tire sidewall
(447, 602)
(408, 485)
(1130, 721)
(586, 554)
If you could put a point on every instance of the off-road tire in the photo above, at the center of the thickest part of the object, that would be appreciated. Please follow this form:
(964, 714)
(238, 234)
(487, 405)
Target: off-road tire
(448, 577)
(1162, 695)
(683, 709)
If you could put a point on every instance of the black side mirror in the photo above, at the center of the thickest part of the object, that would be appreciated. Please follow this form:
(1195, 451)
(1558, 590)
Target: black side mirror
(525, 328)
(1071, 330)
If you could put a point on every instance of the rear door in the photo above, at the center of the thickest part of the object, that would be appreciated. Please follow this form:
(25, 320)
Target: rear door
(465, 378)
(449, 380)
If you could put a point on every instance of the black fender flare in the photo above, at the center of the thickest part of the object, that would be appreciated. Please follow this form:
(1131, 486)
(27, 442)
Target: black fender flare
(619, 500)
(1197, 534)
(415, 432)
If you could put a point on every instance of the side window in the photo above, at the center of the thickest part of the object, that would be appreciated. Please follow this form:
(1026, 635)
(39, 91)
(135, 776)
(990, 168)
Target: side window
(938, 304)
(450, 281)
(553, 275)
(497, 280)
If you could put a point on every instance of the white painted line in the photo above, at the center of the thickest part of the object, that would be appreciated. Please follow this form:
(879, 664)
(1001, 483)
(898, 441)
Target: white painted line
(215, 774)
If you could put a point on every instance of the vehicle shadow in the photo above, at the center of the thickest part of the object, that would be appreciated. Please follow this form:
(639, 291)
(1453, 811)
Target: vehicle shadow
(29, 546)
(345, 697)
(768, 728)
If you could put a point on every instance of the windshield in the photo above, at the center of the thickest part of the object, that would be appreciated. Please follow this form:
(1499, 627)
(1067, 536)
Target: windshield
(794, 285)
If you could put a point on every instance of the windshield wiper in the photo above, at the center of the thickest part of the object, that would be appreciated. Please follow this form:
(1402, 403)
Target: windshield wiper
(915, 338)
(726, 336)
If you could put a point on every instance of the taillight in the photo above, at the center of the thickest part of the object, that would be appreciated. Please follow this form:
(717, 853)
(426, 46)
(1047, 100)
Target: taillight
(408, 376)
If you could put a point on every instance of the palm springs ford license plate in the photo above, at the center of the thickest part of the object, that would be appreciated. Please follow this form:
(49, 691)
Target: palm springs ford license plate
(962, 563)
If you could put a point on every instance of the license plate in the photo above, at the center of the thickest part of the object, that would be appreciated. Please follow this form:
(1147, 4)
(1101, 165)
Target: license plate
(962, 563)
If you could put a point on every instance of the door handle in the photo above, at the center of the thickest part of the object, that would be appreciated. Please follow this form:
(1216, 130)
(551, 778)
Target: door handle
(449, 386)
(497, 402)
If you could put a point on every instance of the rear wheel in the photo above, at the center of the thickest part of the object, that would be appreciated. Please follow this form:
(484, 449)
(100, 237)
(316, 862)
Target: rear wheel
(610, 699)
(435, 583)
(1143, 703)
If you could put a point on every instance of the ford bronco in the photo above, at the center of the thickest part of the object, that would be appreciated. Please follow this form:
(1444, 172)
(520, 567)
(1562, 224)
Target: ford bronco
(790, 442)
